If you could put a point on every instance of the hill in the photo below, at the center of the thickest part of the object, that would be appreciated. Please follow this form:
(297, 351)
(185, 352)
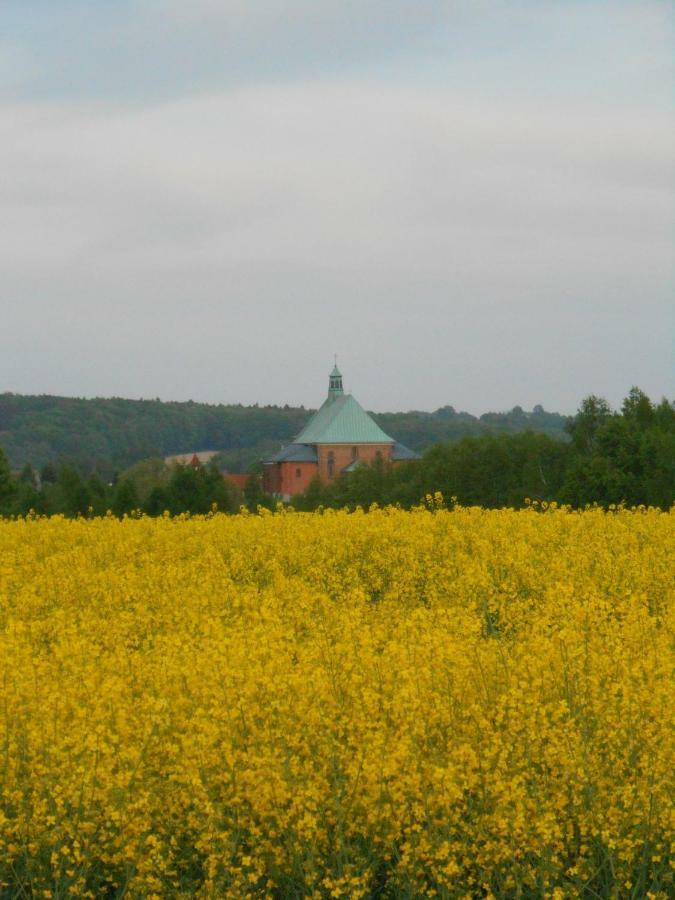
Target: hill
(112, 434)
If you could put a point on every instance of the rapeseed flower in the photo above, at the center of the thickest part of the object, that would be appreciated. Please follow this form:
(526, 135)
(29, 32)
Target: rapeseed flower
(441, 702)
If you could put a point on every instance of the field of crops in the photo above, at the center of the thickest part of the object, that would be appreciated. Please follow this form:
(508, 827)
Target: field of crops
(437, 703)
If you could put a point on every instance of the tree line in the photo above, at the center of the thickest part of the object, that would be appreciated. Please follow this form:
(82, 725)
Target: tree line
(609, 457)
(64, 490)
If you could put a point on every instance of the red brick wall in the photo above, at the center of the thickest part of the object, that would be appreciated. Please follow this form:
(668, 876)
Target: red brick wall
(288, 478)
(236, 479)
(343, 456)
(295, 477)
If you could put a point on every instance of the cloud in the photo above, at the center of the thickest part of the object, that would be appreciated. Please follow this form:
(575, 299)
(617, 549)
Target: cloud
(284, 171)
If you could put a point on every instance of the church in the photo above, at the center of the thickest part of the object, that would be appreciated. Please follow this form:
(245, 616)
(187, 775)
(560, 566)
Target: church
(338, 437)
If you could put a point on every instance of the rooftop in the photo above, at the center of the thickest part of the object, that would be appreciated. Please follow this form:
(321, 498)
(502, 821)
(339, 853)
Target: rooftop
(342, 420)
(295, 453)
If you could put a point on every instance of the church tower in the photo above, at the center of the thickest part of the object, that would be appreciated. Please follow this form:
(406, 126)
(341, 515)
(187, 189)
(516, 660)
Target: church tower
(335, 383)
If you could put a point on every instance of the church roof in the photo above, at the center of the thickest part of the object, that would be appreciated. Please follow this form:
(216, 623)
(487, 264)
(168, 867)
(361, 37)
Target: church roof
(400, 452)
(342, 420)
(295, 453)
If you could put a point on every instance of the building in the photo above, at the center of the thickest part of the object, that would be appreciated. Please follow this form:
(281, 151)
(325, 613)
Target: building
(239, 480)
(200, 458)
(338, 437)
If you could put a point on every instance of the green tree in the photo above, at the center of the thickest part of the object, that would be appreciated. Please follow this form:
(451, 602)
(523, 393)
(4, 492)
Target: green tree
(198, 490)
(254, 496)
(98, 494)
(48, 474)
(27, 496)
(71, 496)
(627, 457)
(8, 486)
(316, 495)
(157, 502)
(28, 476)
(638, 409)
(125, 499)
(591, 416)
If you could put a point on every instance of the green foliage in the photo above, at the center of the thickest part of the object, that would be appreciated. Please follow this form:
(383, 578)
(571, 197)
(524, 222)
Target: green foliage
(125, 499)
(254, 496)
(156, 488)
(593, 413)
(8, 487)
(98, 494)
(147, 475)
(150, 487)
(69, 494)
(199, 490)
(622, 457)
(48, 474)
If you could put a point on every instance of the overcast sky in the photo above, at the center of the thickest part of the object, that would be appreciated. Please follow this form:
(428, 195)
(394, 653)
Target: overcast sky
(469, 202)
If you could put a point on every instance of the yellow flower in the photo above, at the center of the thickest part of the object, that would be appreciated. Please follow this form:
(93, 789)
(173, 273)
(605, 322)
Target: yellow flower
(446, 701)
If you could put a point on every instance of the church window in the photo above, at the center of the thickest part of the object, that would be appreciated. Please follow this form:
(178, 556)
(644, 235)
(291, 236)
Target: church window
(298, 473)
(331, 463)
(355, 452)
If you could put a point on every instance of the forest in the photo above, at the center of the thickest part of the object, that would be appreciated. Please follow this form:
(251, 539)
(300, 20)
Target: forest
(609, 457)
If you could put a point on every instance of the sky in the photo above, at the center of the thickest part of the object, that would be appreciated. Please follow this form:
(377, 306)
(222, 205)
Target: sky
(470, 203)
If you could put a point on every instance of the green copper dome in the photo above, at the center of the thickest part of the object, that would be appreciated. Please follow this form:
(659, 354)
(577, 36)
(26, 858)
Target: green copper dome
(341, 420)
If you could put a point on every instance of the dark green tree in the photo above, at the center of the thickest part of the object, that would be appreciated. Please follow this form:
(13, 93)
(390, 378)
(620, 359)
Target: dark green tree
(627, 457)
(591, 416)
(198, 490)
(638, 410)
(99, 496)
(27, 497)
(48, 473)
(71, 495)
(254, 496)
(125, 498)
(8, 486)
(158, 501)
(28, 476)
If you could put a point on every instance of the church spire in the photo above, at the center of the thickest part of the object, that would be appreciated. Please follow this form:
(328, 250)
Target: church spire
(335, 382)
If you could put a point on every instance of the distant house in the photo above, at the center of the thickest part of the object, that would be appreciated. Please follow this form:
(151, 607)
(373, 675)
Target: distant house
(238, 480)
(339, 437)
(199, 458)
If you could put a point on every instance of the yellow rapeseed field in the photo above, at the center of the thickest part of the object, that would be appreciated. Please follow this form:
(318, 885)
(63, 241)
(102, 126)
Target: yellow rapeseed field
(449, 703)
